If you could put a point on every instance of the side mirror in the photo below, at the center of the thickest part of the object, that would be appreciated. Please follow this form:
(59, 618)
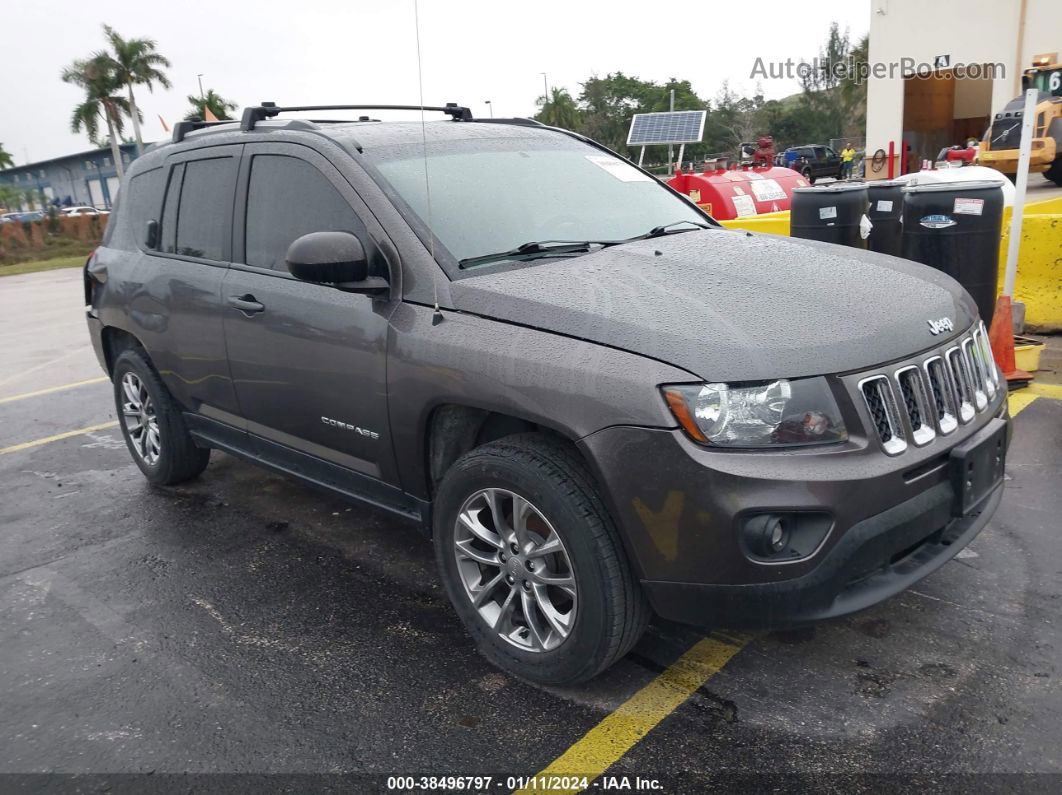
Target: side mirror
(151, 237)
(336, 258)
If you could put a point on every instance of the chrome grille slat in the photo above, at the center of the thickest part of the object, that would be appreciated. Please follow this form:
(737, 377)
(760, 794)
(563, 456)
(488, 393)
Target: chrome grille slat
(884, 411)
(923, 399)
(916, 402)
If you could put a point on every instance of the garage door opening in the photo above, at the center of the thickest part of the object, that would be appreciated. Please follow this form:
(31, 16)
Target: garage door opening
(942, 110)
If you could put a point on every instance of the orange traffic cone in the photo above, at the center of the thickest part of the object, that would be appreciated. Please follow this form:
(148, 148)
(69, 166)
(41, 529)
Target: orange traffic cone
(1001, 337)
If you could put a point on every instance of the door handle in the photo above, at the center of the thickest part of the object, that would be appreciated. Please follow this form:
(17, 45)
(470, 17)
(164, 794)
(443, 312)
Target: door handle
(246, 304)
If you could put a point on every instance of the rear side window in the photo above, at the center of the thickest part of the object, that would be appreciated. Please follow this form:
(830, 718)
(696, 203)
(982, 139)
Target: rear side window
(286, 199)
(203, 221)
(144, 194)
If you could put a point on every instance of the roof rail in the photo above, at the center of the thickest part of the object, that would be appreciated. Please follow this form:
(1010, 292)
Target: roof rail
(519, 121)
(182, 128)
(256, 113)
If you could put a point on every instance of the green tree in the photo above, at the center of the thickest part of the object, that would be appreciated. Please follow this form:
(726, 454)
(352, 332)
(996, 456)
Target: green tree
(6, 160)
(831, 88)
(136, 62)
(217, 105)
(559, 110)
(9, 197)
(95, 75)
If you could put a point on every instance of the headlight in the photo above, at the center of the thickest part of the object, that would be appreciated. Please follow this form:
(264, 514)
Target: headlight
(772, 414)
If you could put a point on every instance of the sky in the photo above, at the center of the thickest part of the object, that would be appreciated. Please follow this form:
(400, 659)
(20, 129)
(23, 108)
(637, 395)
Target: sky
(365, 51)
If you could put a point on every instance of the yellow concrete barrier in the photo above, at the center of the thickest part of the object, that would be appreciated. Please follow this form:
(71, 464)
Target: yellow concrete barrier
(1038, 284)
(1039, 280)
(768, 223)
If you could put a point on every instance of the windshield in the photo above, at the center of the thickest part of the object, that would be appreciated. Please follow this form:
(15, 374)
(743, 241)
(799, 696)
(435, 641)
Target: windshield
(494, 195)
(1050, 82)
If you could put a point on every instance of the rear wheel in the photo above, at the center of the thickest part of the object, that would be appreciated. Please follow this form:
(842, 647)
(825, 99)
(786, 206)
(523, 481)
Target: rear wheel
(532, 562)
(806, 173)
(152, 424)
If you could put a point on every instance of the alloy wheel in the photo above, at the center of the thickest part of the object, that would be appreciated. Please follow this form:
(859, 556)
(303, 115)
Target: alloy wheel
(139, 419)
(515, 570)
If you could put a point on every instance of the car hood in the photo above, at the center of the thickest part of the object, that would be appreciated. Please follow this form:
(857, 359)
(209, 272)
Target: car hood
(731, 305)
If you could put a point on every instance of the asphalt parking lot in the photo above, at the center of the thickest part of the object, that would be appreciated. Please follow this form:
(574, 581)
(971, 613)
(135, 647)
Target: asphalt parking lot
(243, 623)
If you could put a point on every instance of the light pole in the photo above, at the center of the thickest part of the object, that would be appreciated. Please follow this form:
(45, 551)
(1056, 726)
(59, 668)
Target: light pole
(545, 86)
(490, 107)
(201, 95)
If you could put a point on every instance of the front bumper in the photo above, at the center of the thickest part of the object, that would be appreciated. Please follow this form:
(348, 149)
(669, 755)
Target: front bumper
(892, 522)
(1041, 157)
(877, 558)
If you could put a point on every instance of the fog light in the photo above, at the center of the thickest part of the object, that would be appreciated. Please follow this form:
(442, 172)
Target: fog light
(767, 535)
(779, 535)
(784, 536)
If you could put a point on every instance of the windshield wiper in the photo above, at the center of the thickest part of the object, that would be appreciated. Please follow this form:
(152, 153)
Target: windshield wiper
(534, 249)
(665, 229)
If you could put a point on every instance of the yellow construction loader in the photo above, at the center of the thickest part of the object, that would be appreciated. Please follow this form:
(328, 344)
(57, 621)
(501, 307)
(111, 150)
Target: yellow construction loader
(999, 149)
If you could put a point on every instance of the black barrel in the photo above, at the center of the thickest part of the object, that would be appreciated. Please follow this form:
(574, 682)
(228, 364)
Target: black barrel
(885, 198)
(955, 227)
(830, 213)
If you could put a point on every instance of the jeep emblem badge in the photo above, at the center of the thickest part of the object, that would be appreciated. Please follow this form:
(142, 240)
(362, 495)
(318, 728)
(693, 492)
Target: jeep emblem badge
(939, 326)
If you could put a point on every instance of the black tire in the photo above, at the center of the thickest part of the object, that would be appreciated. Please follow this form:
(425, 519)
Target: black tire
(1055, 172)
(178, 458)
(612, 610)
(806, 174)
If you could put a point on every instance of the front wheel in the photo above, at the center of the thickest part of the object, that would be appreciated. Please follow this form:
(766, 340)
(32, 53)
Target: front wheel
(152, 424)
(532, 562)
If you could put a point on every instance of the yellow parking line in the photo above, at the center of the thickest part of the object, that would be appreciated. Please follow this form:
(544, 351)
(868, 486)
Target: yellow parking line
(620, 730)
(51, 389)
(1053, 391)
(47, 439)
(1019, 400)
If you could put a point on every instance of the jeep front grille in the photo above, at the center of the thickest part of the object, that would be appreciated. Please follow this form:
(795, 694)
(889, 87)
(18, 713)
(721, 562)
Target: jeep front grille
(918, 401)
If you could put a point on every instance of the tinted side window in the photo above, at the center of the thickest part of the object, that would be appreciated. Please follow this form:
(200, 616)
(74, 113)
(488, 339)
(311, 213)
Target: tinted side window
(144, 195)
(204, 215)
(286, 199)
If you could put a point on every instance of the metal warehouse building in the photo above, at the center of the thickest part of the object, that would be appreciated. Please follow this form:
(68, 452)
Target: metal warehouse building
(948, 36)
(83, 178)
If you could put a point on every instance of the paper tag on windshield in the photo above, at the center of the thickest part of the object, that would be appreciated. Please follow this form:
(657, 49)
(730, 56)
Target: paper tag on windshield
(827, 212)
(968, 206)
(743, 205)
(624, 172)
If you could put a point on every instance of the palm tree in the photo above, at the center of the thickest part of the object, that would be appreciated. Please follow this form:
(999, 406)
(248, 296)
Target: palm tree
(96, 76)
(217, 105)
(558, 109)
(6, 161)
(136, 62)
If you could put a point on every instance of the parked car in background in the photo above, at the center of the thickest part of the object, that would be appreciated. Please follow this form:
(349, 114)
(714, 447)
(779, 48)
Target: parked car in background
(598, 402)
(811, 160)
(29, 215)
(81, 210)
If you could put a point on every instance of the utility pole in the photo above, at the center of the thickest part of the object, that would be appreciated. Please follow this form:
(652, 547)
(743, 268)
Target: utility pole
(545, 87)
(202, 96)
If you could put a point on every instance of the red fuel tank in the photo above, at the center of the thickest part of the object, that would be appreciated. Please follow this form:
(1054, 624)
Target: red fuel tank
(731, 193)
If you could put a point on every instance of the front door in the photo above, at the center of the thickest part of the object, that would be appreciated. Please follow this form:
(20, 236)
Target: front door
(307, 360)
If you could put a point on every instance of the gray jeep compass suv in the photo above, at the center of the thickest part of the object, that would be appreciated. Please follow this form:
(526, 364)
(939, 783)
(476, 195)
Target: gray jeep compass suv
(599, 403)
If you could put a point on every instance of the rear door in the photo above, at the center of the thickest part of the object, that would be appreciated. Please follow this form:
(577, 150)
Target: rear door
(307, 360)
(176, 309)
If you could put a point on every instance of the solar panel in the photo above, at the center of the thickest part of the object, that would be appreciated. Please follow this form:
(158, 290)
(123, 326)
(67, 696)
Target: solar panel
(676, 127)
